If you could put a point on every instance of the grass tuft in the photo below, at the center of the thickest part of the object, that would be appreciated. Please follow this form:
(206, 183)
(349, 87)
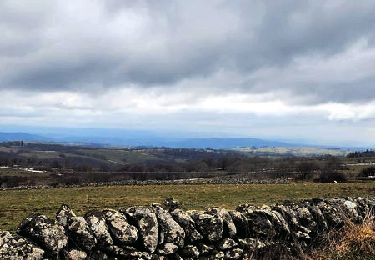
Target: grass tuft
(353, 241)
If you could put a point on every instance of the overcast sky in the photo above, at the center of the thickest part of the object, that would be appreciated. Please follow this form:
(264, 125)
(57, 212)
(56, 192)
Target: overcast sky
(274, 69)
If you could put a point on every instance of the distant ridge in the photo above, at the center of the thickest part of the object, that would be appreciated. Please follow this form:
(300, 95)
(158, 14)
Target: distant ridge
(215, 143)
(7, 137)
(137, 139)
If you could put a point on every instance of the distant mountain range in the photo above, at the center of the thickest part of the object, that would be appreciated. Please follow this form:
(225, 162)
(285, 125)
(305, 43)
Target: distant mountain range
(7, 137)
(129, 139)
(215, 143)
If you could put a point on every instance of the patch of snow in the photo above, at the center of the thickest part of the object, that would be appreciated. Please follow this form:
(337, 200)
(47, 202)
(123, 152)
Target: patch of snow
(360, 164)
(32, 170)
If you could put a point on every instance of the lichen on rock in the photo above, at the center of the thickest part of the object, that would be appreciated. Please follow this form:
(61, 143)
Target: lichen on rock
(44, 232)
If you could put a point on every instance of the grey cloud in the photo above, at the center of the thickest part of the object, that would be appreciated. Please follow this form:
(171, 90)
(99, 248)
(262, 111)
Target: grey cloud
(85, 45)
(289, 29)
(60, 75)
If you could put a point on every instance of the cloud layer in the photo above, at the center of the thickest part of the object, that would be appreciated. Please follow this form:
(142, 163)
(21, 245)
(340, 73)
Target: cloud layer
(188, 60)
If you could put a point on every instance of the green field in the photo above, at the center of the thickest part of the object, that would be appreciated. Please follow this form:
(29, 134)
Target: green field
(17, 204)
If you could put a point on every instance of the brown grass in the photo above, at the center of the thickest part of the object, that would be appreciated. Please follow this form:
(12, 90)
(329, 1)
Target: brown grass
(353, 241)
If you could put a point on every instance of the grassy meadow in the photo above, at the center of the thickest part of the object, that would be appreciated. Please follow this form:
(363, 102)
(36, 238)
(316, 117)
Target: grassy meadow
(17, 204)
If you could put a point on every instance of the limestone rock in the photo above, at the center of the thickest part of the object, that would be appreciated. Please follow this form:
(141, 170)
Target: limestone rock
(169, 230)
(210, 226)
(227, 243)
(190, 251)
(14, 247)
(229, 228)
(80, 233)
(188, 224)
(76, 228)
(321, 223)
(332, 215)
(147, 224)
(167, 249)
(349, 208)
(206, 249)
(261, 226)
(306, 220)
(251, 244)
(64, 215)
(241, 223)
(139, 256)
(171, 204)
(98, 255)
(364, 206)
(235, 253)
(219, 255)
(98, 226)
(44, 232)
(116, 252)
(74, 254)
(119, 228)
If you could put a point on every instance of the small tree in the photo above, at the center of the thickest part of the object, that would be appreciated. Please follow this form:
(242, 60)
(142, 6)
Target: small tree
(306, 170)
(367, 172)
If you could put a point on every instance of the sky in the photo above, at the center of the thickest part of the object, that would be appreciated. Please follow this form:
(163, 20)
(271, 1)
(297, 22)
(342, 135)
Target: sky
(290, 70)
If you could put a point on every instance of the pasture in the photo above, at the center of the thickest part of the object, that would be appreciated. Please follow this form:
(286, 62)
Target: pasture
(17, 204)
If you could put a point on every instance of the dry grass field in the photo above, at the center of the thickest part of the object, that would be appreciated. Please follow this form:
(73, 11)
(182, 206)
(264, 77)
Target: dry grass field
(17, 204)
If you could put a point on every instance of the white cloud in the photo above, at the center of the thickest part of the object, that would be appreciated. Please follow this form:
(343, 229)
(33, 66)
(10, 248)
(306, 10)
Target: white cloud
(155, 101)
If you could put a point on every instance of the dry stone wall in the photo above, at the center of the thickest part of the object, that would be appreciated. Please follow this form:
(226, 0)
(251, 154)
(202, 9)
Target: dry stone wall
(165, 231)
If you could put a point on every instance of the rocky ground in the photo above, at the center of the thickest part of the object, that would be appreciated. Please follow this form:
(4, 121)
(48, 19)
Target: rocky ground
(165, 231)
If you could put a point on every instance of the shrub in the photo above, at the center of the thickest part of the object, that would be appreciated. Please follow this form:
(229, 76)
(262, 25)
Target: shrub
(331, 176)
(367, 172)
